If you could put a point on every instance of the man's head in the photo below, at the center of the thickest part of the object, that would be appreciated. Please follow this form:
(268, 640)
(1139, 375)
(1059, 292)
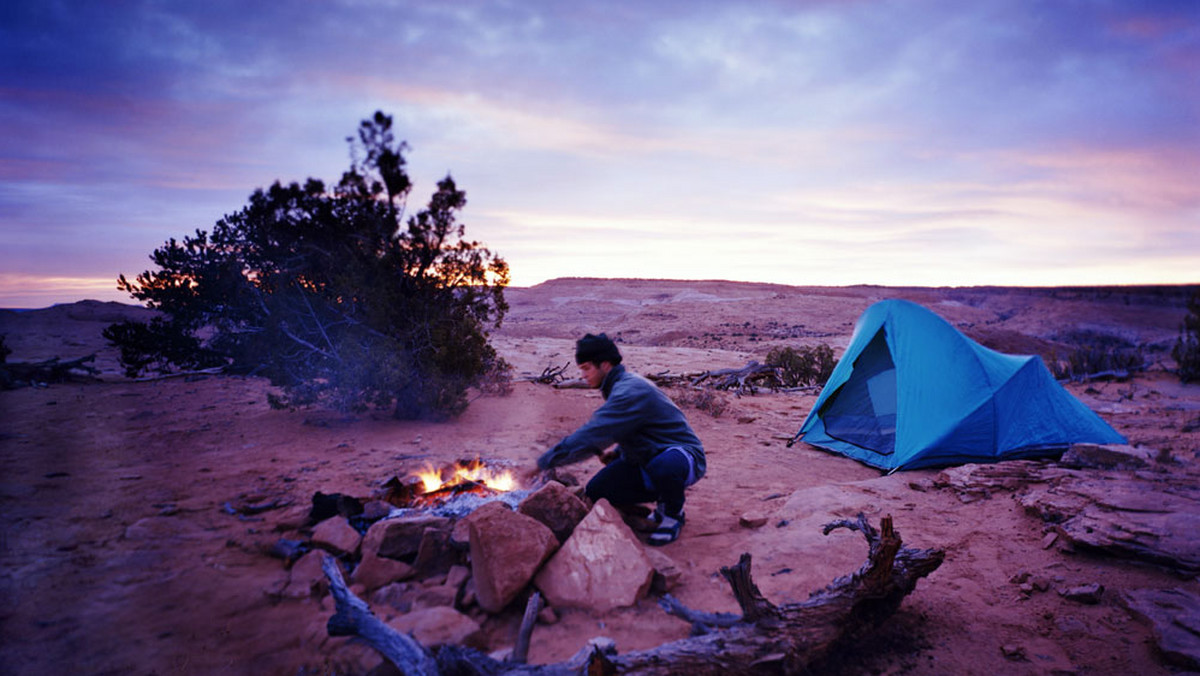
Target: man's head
(596, 355)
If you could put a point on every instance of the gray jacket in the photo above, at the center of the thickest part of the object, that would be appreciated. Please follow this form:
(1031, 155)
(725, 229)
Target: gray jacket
(636, 416)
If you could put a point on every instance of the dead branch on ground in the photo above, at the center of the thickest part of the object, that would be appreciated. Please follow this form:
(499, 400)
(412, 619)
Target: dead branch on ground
(791, 638)
(551, 375)
(745, 380)
(19, 374)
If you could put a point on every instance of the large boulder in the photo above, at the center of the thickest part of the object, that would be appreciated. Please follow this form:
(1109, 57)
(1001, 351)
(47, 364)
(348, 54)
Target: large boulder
(557, 507)
(602, 565)
(507, 548)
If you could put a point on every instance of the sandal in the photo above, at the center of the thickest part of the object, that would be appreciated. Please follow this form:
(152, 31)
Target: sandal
(667, 530)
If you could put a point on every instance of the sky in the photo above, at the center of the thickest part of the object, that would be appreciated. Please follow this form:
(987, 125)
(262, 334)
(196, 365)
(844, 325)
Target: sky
(834, 142)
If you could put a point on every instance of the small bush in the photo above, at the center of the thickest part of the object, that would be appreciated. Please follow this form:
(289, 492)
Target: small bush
(705, 399)
(1096, 353)
(1186, 352)
(803, 366)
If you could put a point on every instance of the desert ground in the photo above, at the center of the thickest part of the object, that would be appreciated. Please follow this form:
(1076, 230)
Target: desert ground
(124, 550)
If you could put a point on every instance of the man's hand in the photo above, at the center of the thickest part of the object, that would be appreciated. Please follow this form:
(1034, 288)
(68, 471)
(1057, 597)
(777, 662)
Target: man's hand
(608, 456)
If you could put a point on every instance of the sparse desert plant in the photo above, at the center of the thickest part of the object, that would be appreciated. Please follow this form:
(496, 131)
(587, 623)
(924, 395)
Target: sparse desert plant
(703, 399)
(330, 294)
(1186, 352)
(802, 366)
(1096, 354)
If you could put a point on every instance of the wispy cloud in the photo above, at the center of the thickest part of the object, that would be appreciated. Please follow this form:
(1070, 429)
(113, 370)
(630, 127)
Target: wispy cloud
(930, 142)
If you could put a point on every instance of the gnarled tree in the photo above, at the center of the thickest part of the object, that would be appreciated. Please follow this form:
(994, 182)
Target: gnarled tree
(324, 292)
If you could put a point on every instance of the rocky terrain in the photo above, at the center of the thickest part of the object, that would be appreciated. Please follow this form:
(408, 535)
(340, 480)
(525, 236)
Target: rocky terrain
(143, 520)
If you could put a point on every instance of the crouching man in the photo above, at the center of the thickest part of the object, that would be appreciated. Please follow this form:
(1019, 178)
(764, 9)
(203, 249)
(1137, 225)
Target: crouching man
(657, 454)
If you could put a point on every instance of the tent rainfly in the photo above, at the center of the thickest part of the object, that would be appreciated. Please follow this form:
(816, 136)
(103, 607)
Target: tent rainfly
(912, 391)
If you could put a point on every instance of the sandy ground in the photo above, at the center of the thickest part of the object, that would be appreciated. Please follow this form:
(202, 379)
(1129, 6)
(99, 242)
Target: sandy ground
(118, 556)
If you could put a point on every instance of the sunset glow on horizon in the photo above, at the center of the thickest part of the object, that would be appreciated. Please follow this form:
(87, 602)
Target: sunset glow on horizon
(813, 143)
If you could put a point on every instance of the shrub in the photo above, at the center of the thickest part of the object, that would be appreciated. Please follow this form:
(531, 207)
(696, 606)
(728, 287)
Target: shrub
(703, 399)
(324, 292)
(802, 366)
(1186, 352)
(1096, 353)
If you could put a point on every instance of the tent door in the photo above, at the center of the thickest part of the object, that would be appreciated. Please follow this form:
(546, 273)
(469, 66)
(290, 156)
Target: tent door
(863, 409)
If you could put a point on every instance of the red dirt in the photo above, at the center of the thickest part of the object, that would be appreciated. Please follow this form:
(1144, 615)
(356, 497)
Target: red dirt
(119, 555)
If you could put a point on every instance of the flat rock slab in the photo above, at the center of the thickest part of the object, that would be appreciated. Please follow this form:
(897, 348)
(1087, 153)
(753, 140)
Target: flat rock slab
(1175, 616)
(1149, 514)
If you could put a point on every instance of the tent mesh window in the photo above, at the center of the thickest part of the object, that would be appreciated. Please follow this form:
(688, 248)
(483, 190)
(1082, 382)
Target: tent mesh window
(863, 410)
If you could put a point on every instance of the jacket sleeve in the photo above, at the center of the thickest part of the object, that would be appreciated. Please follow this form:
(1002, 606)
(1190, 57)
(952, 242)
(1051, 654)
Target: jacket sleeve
(619, 416)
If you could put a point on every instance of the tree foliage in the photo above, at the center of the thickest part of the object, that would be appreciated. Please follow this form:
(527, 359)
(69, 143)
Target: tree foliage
(1186, 352)
(329, 293)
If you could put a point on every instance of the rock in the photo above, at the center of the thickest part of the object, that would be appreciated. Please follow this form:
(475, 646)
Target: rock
(336, 536)
(1048, 539)
(397, 596)
(460, 535)
(753, 520)
(507, 548)
(306, 577)
(288, 550)
(439, 625)
(547, 615)
(921, 485)
(1086, 593)
(374, 510)
(375, 571)
(1013, 652)
(436, 596)
(400, 538)
(457, 576)
(435, 555)
(602, 565)
(1107, 457)
(666, 571)
(294, 517)
(1150, 515)
(557, 507)
(1174, 615)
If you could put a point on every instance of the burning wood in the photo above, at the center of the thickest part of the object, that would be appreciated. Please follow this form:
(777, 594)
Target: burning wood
(433, 487)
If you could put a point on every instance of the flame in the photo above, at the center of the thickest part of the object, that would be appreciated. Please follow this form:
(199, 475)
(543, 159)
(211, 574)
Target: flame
(472, 471)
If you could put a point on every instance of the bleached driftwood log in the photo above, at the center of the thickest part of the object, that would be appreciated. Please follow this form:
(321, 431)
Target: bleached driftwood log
(791, 638)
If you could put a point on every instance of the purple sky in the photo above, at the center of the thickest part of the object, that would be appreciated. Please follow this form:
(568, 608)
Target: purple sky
(906, 142)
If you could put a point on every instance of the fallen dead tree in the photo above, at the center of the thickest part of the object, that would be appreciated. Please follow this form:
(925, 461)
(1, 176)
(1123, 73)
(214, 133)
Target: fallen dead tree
(21, 374)
(791, 638)
(744, 380)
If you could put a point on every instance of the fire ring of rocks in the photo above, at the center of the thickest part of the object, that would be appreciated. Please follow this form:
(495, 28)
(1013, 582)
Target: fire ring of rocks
(440, 551)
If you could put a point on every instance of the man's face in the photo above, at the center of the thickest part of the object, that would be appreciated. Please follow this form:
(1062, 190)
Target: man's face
(594, 374)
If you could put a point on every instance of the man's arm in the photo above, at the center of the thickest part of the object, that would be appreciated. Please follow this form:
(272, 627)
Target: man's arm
(617, 417)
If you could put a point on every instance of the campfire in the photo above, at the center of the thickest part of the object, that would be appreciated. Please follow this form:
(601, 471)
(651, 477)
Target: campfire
(456, 488)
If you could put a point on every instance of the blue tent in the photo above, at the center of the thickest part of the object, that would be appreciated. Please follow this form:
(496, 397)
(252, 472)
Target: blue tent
(912, 391)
